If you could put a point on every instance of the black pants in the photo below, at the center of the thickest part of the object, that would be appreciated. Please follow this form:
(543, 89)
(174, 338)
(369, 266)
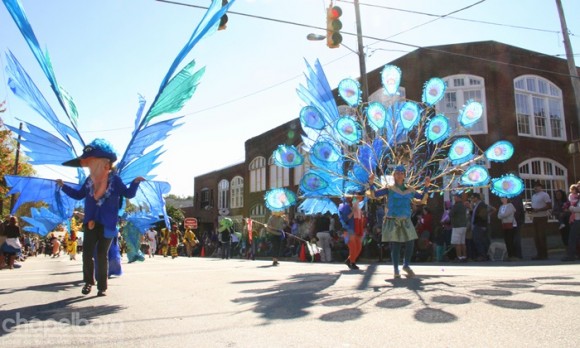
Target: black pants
(276, 245)
(95, 240)
(540, 239)
(509, 239)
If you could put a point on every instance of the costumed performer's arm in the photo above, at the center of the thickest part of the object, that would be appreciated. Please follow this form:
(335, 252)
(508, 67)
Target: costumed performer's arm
(377, 193)
(421, 197)
(125, 191)
(71, 192)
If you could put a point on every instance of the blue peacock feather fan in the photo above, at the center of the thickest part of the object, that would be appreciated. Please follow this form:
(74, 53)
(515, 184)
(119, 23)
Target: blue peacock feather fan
(461, 151)
(349, 129)
(476, 175)
(279, 199)
(349, 90)
(287, 156)
(433, 91)
(508, 186)
(311, 117)
(391, 79)
(376, 116)
(437, 129)
(470, 114)
(410, 115)
(500, 151)
(344, 151)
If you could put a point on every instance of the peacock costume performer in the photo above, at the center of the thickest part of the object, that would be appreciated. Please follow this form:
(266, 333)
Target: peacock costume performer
(60, 144)
(350, 145)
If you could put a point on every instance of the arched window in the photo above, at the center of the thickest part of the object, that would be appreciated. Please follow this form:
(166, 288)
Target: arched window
(237, 192)
(258, 174)
(460, 90)
(223, 188)
(539, 108)
(279, 176)
(550, 173)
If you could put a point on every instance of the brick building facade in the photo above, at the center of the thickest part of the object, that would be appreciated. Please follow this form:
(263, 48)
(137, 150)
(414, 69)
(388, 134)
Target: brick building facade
(527, 97)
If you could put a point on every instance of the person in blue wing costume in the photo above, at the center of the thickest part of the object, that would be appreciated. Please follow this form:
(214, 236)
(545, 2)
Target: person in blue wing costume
(397, 227)
(102, 192)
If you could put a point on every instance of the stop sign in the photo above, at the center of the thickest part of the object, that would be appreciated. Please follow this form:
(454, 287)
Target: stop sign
(190, 223)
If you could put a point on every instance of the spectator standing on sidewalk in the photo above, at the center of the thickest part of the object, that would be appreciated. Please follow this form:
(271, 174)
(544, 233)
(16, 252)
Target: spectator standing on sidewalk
(541, 205)
(458, 218)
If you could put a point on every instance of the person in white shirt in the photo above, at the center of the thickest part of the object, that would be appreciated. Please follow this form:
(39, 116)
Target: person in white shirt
(541, 204)
(151, 238)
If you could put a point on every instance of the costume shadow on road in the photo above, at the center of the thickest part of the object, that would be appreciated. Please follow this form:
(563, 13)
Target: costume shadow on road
(49, 287)
(62, 312)
(429, 296)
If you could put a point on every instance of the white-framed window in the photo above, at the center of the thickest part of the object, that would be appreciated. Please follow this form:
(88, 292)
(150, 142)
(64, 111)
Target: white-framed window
(258, 174)
(539, 108)
(223, 188)
(550, 173)
(237, 192)
(460, 90)
(301, 169)
(258, 213)
(205, 199)
(279, 176)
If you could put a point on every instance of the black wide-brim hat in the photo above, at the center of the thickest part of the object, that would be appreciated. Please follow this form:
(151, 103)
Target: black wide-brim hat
(98, 148)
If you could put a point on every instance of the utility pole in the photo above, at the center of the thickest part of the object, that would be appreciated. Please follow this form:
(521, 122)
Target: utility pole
(571, 65)
(13, 197)
(361, 55)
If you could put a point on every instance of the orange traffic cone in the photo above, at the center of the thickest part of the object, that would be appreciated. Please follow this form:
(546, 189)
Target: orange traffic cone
(302, 255)
(202, 252)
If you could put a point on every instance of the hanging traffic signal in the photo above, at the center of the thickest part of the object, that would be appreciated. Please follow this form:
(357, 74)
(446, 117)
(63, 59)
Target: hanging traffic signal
(224, 18)
(333, 26)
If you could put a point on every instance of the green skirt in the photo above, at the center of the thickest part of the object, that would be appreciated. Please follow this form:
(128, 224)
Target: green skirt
(398, 230)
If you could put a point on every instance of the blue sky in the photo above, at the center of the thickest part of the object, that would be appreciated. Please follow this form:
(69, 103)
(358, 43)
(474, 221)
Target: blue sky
(106, 52)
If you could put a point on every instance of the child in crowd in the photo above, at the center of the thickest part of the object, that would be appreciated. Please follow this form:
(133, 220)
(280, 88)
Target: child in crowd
(573, 198)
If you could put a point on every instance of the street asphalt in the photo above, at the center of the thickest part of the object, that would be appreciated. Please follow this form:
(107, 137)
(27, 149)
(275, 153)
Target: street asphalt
(208, 302)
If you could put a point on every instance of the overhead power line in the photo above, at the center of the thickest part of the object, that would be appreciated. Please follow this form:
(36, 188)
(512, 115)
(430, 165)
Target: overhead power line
(447, 16)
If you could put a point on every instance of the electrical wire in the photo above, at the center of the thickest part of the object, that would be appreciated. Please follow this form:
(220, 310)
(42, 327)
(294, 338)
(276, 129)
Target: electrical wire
(447, 16)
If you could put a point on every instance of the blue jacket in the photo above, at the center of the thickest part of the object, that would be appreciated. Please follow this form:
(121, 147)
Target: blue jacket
(106, 210)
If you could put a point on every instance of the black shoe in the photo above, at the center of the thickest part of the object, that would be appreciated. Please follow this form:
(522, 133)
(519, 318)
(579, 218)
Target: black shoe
(102, 293)
(275, 263)
(86, 289)
(348, 264)
(353, 266)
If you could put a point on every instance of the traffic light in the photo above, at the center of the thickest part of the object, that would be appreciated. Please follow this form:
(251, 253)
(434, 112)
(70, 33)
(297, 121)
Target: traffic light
(333, 26)
(224, 18)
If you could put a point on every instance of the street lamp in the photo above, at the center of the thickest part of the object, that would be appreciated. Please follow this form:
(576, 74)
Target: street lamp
(315, 37)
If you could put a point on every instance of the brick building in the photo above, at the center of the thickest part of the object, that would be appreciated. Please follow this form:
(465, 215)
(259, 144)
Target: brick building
(528, 100)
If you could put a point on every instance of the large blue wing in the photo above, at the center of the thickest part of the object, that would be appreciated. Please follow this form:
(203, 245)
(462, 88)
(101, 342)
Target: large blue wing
(42, 147)
(32, 190)
(149, 199)
(19, 16)
(41, 221)
(174, 91)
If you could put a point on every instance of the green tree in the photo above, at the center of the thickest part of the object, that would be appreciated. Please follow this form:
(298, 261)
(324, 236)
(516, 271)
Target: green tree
(8, 147)
(175, 213)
